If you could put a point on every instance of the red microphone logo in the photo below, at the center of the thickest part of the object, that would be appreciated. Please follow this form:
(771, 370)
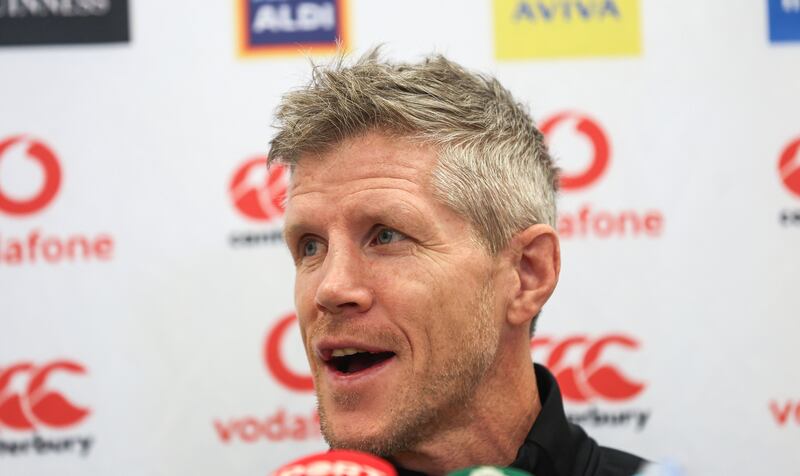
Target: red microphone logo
(259, 193)
(592, 131)
(38, 152)
(338, 463)
(789, 167)
(590, 378)
(275, 361)
(38, 405)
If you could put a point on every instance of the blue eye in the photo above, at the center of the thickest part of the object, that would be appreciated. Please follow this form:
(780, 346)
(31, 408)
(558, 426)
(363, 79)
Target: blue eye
(387, 235)
(310, 248)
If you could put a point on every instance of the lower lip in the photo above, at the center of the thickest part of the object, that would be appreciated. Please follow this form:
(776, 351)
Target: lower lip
(341, 378)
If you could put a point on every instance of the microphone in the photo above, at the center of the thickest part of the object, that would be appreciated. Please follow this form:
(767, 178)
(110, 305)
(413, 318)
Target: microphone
(337, 463)
(489, 471)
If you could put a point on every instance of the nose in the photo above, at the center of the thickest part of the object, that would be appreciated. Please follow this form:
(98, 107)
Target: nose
(343, 288)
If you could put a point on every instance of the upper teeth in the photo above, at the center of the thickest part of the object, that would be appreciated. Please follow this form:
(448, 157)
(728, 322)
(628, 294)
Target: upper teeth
(346, 351)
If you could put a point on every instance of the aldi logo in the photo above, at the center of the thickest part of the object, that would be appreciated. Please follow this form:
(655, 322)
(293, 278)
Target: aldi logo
(291, 26)
(784, 20)
(566, 28)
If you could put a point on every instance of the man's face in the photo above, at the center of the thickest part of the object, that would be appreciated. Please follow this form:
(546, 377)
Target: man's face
(393, 294)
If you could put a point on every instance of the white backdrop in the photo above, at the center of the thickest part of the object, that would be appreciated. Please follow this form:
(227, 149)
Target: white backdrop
(159, 334)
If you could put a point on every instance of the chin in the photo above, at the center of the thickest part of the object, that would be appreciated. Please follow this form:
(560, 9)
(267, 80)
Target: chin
(381, 436)
(366, 438)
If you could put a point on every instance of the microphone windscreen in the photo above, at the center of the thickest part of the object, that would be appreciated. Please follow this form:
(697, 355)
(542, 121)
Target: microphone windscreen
(489, 471)
(337, 463)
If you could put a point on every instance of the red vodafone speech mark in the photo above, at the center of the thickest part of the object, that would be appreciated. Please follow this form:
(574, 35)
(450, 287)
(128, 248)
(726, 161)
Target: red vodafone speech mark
(274, 360)
(38, 152)
(589, 378)
(261, 201)
(789, 166)
(38, 405)
(592, 131)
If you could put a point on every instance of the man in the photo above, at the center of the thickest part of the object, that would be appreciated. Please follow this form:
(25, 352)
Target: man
(420, 217)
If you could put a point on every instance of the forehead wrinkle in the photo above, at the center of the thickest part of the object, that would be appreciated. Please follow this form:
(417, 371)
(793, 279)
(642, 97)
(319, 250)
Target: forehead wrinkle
(400, 210)
(326, 182)
(332, 185)
(398, 206)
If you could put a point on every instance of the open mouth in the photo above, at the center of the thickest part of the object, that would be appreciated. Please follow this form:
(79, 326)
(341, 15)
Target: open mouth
(351, 360)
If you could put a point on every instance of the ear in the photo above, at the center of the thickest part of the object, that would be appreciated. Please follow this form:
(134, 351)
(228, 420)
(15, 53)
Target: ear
(537, 262)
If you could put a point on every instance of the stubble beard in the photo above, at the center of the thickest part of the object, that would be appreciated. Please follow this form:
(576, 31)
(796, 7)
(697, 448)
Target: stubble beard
(417, 416)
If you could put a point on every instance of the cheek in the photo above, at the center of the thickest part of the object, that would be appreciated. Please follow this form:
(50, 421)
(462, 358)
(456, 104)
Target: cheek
(429, 311)
(304, 292)
(458, 305)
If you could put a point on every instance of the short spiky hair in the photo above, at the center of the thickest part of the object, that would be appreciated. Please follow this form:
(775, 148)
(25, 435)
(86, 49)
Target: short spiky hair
(493, 166)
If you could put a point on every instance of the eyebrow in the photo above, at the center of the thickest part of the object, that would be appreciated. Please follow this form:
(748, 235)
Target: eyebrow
(398, 214)
(292, 229)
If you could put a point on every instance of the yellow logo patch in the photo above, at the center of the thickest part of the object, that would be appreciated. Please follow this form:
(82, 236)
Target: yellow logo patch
(566, 28)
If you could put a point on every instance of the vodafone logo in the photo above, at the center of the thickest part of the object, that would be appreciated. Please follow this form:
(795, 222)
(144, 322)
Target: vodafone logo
(584, 127)
(279, 424)
(37, 405)
(36, 151)
(275, 362)
(589, 378)
(40, 246)
(592, 220)
(789, 167)
(259, 193)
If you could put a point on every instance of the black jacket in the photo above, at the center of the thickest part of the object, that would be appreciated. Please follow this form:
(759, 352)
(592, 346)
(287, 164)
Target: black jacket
(556, 447)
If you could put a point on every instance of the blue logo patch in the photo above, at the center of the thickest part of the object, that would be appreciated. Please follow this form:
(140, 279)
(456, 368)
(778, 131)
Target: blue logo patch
(291, 25)
(784, 20)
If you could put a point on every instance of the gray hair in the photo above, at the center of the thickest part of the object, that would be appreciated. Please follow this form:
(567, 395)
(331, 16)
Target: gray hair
(493, 166)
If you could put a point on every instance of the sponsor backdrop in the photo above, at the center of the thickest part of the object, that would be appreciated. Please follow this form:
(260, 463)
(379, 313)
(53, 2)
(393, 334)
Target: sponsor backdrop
(146, 310)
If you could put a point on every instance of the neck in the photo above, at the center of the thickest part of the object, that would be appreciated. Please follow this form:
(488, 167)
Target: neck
(492, 427)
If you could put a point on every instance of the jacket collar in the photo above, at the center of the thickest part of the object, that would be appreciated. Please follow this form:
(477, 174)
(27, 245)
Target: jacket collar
(551, 442)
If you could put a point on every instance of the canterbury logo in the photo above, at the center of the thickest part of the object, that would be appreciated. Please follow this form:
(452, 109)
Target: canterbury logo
(589, 378)
(37, 405)
(257, 192)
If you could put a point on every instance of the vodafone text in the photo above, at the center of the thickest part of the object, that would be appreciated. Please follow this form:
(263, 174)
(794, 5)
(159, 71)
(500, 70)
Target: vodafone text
(280, 426)
(785, 412)
(587, 222)
(52, 249)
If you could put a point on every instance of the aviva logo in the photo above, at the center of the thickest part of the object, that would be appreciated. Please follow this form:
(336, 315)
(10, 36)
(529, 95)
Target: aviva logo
(566, 28)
